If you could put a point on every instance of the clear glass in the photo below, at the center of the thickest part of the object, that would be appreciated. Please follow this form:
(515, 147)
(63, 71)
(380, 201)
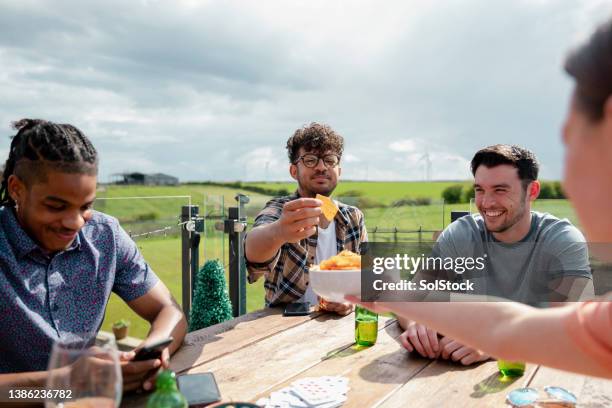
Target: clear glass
(366, 327)
(84, 371)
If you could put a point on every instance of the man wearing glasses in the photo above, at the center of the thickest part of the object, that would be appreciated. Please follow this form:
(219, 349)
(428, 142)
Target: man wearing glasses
(290, 233)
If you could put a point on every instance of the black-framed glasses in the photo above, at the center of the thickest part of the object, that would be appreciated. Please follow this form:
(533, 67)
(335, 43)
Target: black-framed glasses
(312, 160)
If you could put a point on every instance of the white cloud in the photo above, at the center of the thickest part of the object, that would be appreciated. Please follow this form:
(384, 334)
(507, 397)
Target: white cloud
(180, 89)
(405, 145)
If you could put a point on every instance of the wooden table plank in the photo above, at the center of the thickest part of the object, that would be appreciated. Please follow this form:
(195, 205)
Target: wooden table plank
(204, 345)
(373, 373)
(590, 391)
(444, 383)
(245, 373)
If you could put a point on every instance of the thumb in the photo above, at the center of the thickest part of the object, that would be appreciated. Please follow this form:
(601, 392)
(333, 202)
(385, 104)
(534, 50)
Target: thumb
(126, 355)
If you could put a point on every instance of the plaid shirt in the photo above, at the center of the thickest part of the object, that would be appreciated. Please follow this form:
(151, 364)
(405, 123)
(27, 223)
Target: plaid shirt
(287, 273)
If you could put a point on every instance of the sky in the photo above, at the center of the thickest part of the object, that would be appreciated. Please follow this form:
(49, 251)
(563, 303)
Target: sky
(212, 90)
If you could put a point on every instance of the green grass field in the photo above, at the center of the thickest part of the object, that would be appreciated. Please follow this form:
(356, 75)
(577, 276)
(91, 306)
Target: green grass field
(162, 250)
(384, 191)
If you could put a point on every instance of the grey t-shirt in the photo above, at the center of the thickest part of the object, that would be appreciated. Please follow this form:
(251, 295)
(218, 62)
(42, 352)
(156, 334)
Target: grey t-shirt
(521, 271)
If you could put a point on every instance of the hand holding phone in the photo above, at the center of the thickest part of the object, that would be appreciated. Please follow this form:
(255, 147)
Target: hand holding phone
(152, 351)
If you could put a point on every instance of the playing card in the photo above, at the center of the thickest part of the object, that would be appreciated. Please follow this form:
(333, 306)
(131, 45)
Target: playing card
(318, 391)
(286, 396)
(311, 392)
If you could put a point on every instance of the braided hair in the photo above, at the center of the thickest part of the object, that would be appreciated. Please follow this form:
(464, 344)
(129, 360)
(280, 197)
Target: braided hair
(40, 146)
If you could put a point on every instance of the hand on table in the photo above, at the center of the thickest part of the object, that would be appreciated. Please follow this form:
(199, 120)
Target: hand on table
(342, 309)
(453, 350)
(420, 338)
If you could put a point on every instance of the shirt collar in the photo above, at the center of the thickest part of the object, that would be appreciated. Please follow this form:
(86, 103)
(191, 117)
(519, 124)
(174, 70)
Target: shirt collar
(19, 238)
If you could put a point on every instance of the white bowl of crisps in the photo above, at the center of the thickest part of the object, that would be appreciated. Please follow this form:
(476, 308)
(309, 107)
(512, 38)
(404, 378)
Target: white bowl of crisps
(337, 277)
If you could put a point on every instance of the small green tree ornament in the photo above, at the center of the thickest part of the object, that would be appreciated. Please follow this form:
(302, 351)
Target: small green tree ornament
(211, 303)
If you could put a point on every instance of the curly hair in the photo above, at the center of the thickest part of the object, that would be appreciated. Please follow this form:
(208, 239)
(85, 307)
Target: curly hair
(317, 138)
(40, 145)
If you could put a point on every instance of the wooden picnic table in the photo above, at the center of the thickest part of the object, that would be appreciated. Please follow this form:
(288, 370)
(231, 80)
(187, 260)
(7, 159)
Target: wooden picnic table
(263, 351)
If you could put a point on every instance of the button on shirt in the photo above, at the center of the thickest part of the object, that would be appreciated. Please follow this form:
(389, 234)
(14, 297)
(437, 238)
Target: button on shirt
(47, 298)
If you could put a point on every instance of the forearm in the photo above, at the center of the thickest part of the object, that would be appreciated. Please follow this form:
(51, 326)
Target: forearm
(170, 321)
(262, 243)
(508, 330)
(26, 379)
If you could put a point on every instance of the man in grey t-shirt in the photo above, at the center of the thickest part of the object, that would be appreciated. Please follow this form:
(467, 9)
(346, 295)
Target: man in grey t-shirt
(528, 256)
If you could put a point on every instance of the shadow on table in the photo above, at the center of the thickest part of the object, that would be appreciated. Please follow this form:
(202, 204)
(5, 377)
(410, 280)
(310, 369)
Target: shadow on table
(494, 383)
(345, 351)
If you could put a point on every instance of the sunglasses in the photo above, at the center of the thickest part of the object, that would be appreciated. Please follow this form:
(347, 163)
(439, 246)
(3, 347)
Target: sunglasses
(527, 397)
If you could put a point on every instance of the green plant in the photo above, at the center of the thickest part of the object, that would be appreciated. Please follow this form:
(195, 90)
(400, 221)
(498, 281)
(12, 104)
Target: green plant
(547, 190)
(468, 194)
(559, 189)
(121, 323)
(211, 304)
(452, 194)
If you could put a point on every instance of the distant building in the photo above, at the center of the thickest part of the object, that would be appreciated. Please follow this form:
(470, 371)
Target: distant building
(156, 179)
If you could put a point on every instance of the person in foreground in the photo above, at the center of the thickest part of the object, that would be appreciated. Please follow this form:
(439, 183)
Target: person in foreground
(60, 260)
(576, 337)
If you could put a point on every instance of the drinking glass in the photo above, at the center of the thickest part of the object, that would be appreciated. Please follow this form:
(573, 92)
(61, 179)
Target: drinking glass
(84, 372)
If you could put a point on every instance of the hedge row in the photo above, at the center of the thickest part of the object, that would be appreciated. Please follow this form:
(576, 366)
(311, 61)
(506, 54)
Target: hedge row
(458, 193)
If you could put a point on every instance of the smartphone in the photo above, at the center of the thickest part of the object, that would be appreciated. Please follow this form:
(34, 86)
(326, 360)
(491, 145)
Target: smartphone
(153, 350)
(199, 389)
(297, 309)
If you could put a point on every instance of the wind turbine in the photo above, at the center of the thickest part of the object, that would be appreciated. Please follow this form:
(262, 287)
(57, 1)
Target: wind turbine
(427, 161)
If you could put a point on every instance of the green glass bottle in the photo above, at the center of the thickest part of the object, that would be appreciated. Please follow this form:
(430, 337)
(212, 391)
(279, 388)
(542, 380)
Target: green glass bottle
(511, 368)
(366, 326)
(166, 394)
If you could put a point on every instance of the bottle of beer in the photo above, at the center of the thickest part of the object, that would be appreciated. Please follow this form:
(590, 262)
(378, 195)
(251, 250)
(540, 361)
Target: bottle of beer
(166, 394)
(366, 326)
(511, 368)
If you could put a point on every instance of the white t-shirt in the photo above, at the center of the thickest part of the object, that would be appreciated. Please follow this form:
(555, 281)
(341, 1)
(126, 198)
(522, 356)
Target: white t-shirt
(326, 248)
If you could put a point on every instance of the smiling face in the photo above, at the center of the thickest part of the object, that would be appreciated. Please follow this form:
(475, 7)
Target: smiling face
(316, 180)
(54, 210)
(503, 202)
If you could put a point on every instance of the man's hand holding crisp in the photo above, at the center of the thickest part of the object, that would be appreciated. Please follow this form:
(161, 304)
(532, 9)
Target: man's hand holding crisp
(298, 220)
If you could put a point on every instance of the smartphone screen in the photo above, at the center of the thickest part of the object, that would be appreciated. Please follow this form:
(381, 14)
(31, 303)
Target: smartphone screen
(199, 389)
(153, 350)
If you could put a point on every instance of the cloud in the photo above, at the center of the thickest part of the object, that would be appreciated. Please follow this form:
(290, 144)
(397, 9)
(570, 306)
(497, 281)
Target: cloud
(405, 145)
(213, 89)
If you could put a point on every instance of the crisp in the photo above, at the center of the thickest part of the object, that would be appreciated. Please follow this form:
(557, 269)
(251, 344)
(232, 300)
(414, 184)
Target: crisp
(345, 260)
(329, 208)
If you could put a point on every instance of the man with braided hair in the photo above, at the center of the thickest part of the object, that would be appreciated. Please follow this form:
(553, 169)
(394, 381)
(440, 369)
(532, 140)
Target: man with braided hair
(60, 260)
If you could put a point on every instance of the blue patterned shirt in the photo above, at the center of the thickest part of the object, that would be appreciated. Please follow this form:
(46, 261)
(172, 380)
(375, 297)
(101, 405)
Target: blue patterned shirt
(46, 298)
